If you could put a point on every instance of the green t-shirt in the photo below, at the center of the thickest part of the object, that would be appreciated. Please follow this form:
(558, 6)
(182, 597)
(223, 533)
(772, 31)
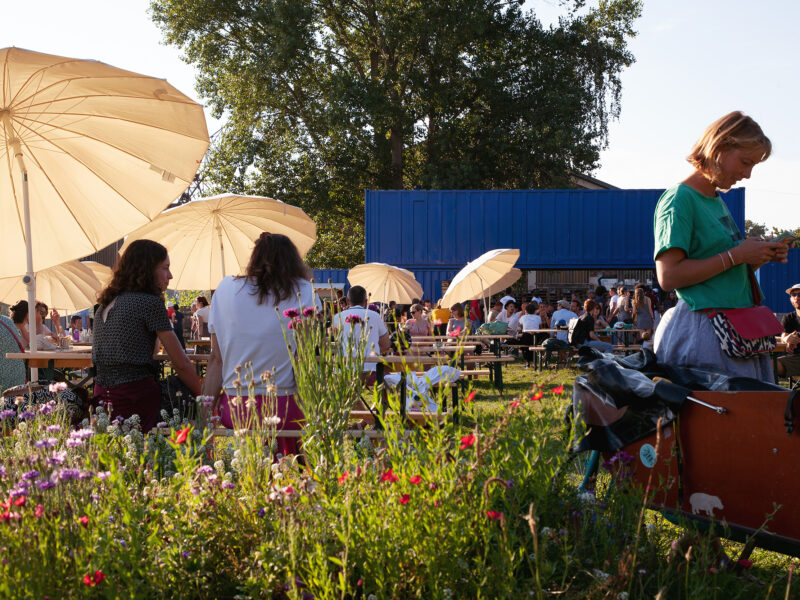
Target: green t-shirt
(702, 226)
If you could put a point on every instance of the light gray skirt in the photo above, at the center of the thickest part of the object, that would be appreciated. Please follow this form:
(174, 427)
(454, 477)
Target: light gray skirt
(685, 338)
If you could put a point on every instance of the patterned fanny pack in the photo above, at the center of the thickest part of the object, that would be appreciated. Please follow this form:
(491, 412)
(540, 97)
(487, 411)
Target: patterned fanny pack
(745, 332)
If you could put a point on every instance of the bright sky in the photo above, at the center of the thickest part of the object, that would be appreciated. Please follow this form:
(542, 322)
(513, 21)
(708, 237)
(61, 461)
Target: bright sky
(695, 61)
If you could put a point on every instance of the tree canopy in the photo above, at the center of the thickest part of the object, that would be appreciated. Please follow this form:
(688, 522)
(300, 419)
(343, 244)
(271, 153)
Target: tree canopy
(325, 98)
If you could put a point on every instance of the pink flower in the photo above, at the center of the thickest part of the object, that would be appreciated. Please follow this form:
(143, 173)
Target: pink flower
(558, 390)
(415, 479)
(38, 511)
(352, 319)
(288, 490)
(469, 397)
(493, 514)
(404, 499)
(20, 501)
(389, 476)
(514, 404)
(467, 441)
(84, 520)
(294, 323)
(309, 311)
(291, 313)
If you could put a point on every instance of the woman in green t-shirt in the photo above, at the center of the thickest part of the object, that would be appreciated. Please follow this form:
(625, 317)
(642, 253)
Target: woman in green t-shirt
(700, 253)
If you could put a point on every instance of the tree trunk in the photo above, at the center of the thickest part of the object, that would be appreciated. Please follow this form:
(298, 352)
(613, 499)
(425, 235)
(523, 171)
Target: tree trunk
(397, 158)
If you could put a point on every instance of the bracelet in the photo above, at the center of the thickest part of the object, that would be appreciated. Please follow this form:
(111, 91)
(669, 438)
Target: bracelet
(733, 262)
(722, 259)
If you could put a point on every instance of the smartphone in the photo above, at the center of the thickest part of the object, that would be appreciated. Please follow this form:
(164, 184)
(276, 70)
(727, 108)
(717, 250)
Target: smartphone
(787, 237)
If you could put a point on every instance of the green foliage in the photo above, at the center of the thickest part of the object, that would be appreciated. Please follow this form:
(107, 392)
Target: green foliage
(752, 229)
(326, 98)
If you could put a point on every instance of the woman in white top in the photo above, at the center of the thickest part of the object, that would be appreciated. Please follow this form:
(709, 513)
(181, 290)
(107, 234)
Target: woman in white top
(245, 327)
(201, 316)
(510, 315)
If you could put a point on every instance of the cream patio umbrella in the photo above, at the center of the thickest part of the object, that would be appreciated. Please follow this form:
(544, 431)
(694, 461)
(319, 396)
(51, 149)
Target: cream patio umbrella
(71, 286)
(102, 272)
(386, 281)
(213, 237)
(89, 153)
(483, 276)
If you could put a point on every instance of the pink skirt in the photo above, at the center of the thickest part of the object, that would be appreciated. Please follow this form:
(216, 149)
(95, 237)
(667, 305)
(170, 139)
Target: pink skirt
(286, 408)
(141, 398)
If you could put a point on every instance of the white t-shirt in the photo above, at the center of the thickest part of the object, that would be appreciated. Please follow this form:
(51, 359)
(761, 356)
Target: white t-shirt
(248, 331)
(530, 322)
(513, 320)
(203, 312)
(565, 315)
(376, 328)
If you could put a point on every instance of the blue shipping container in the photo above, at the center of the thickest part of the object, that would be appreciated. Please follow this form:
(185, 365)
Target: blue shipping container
(553, 229)
(776, 278)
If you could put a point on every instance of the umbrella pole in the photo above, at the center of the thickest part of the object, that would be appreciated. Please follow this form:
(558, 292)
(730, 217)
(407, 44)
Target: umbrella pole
(29, 279)
(221, 249)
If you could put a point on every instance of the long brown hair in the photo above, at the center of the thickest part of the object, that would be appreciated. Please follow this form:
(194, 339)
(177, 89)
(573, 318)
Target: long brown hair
(275, 267)
(135, 271)
(639, 299)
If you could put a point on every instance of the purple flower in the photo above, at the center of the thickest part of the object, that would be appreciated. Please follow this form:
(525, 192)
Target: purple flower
(17, 492)
(185, 554)
(228, 485)
(57, 458)
(8, 414)
(46, 443)
(2, 471)
(262, 512)
(84, 475)
(309, 311)
(74, 443)
(53, 428)
(47, 409)
(28, 414)
(57, 387)
(103, 475)
(30, 475)
(82, 434)
(204, 470)
(291, 313)
(68, 474)
(162, 425)
(352, 319)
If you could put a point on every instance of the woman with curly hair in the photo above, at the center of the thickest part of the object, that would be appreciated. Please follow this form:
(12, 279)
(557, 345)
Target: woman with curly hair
(130, 319)
(247, 322)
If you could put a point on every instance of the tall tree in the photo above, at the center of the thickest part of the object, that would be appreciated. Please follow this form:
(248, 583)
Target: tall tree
(325, 98)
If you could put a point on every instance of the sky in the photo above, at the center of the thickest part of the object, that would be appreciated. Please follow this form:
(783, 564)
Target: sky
(696, 60)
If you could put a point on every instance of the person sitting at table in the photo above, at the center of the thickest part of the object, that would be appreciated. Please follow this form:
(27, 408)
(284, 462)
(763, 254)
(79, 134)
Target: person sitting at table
(544, 314)
(12, 370)
(583, 333)
(457, 324)
(130, 321)
(529, 323)
(20, 316)
(561, 318)
(495, 311)
(510, 316)
(276, 280)
(418, 325)
(440, 318)
(788, 365)
(203, 310)
(377, 342)
(75, 327)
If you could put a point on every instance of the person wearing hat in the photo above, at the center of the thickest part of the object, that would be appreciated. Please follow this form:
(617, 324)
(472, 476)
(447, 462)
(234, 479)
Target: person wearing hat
(789, 364)
(562, 314)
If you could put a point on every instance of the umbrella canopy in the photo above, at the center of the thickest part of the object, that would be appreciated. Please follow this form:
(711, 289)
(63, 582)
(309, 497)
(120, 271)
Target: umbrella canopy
(482, 277)
(102, 272)
(386, 282)
(70, 286)
(105, 150)
(210, 238)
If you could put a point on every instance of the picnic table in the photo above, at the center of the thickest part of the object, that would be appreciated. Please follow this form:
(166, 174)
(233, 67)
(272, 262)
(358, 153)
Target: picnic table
(61, 360)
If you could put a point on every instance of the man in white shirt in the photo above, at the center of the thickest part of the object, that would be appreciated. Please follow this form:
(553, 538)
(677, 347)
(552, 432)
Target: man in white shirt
(562, 314)
(377, 334)
(612, 302)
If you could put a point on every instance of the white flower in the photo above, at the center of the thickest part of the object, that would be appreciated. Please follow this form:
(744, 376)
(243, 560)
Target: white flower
(274, 420)
(545, 531)
(622, 596)
(601, 575)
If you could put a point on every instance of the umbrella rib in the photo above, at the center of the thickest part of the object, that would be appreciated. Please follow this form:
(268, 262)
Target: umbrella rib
(10, 162)
(88, 168)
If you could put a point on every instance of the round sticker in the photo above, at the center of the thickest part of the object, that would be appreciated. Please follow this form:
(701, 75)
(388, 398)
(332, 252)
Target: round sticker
(647, 454)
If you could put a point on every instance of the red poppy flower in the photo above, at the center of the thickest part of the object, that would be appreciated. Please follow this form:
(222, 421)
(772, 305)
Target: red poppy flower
(537, 396)
(343, 477)
(514, 404)
(493, 514)
(415, 479)
(84, 520)
(469, 397)
(93, 580)
(182, 435)
(288, 490)
(743, 562)
(20, 501)
(467, 441)
(558, 390)
(404, 499)
(389, 476)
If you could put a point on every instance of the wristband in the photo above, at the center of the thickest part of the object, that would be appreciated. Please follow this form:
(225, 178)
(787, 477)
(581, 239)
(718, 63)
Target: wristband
(722, 259)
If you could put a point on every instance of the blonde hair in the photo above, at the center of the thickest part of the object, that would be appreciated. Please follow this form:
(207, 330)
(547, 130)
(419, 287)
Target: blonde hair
(734, 130)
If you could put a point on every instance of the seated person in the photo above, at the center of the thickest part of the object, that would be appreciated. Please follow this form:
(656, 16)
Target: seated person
(530, 322)
(583, 334)
(21, 318)
(495, 311)
(457, 324)
(12, 370)
(76, 327)
(510, 315)
(418, 324)
(275, 278)
(130, 321)
(439, 318)
(562, 314)
(202, 316)
(789, 364)
(378, 342)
